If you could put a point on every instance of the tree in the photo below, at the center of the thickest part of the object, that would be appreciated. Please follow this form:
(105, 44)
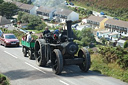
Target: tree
(34, 21)
(25, 18)
(20, 14)
(103, 40)
(41, 26)
(126, 44)
(1, 1)
(86, 36)
(8, 9)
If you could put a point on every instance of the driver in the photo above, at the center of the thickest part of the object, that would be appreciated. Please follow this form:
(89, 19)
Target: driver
(46, 31)
(57, 32)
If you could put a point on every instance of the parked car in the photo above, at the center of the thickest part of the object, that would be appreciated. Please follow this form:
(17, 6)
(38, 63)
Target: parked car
(1, 33)
(99, 37)
(66, 3)
(115, 18)
(9, 40)
(71, 3)
(74, 26)
(107, 38)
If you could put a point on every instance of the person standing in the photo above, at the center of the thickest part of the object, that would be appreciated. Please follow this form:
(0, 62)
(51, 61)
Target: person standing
(40, 37)
(46, 31)
(29, 38)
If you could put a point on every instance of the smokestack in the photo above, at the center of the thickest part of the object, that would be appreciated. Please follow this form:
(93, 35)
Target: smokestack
(69, 30)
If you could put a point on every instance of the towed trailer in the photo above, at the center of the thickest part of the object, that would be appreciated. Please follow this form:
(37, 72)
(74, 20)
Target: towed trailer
(28, 49)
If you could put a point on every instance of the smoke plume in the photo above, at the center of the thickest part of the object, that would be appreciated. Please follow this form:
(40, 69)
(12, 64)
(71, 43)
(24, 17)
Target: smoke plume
(50, 3)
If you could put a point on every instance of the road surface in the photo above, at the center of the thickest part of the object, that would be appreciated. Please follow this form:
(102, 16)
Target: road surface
(22, 71)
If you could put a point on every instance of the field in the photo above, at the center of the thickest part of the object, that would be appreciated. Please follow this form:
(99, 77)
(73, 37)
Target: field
(115, 8)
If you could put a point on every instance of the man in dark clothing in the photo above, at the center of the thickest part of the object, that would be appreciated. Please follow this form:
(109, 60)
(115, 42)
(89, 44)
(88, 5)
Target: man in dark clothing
(46, 31)
(58, 31)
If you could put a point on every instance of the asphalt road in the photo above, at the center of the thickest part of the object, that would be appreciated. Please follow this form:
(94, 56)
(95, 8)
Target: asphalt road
(22, 71)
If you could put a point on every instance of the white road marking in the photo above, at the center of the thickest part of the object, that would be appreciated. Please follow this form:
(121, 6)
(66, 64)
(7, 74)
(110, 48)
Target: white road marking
(10, 54)
(64, 82)
(35, 68)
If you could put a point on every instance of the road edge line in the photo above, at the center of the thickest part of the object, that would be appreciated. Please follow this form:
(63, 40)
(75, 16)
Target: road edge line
(10, 54)
(63, 82)
(35, 67)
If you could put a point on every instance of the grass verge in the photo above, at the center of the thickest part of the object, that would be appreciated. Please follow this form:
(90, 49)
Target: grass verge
(111, 69)
(4, 80)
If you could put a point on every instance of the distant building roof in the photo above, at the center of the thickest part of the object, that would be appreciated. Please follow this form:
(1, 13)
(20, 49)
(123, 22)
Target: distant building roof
(65, 12)
(121, 41)
(114, 34)
(18, 4)
(117, 23)
(4, 21)
(104, 31)
(95, 18)
(45, 9)
(26, 6)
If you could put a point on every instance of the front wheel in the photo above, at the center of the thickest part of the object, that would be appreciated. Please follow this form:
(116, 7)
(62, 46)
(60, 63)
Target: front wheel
(83, 53)
(57, 61)
(5, 45)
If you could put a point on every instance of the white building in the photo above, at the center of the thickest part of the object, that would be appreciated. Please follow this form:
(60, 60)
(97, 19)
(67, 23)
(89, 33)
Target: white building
(28, 8)
(45, 12)
(62, 15)
(103, 33)
(120, 43)
(117, 26)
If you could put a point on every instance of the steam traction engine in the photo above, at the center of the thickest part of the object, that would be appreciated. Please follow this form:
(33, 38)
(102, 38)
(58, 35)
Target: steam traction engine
(61, 51)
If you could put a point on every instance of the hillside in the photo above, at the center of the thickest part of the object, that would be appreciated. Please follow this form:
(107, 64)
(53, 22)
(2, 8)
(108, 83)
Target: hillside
(112, 4)
(115, 8)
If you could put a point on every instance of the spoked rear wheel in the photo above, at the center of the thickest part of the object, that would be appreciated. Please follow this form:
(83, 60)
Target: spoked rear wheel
(83, 53)
(40, 58)
(39, 52)
(57, 61)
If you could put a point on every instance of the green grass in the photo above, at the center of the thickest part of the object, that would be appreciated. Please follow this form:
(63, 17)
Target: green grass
(111, 69)
(37, 31)
(4, 80)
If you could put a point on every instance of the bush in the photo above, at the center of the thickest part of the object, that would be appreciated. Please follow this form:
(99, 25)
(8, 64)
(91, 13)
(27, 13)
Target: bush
(125, 44)
(3, 80)
(115, 54)
(91, 51)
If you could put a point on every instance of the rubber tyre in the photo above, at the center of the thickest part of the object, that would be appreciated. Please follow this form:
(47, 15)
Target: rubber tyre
(57, 61)
(25, 52)
(30, 55)
(39, 52)
(83, 53)
(18, 45)
(23, 49)
(5, 45)
(40, 59)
